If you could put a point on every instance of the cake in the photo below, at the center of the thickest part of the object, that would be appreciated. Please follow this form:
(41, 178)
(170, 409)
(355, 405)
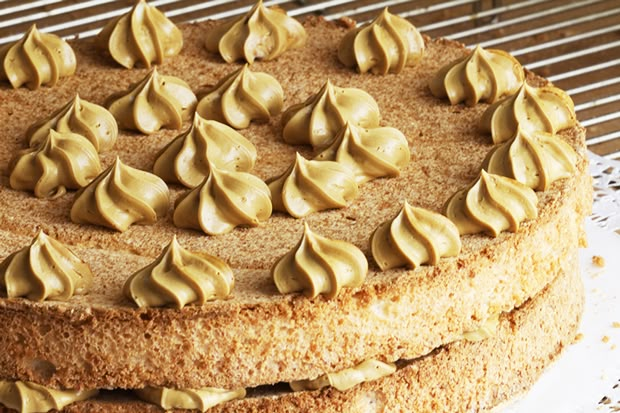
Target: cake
(423, 319)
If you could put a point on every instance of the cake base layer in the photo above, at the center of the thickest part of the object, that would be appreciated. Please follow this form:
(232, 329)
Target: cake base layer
(463, 376)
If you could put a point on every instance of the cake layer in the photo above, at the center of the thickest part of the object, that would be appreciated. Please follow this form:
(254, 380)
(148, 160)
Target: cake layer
(259, 336)
(463, 376)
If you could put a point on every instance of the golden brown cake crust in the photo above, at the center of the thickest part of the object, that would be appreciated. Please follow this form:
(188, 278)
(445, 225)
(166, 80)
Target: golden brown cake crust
(463, 376)
(259, 336)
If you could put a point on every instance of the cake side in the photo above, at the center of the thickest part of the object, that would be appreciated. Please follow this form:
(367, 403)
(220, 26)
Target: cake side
(481, 374)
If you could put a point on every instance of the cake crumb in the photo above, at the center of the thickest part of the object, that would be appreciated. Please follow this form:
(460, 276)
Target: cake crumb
(615, 324)
(605, 400)
(598, 261)
(605, 339)
(578, 338)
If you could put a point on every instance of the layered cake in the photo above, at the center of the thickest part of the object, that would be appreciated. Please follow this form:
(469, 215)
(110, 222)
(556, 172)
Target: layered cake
(272, 215)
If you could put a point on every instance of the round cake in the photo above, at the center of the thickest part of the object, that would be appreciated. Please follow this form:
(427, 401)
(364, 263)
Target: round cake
(418, 318)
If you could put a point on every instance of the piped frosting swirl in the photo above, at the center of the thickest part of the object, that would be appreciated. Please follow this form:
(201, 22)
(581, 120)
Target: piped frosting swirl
(317, 120)
(346, 379)
(153, 103)
(311, 186)
(547, 108)
(536, 159)
(121, 196)
(27, 397)
(186, 159)
(482, 75)
(223, 201)
(260, 34)
(492, 204)
(78, 116)
(387, 44)
(368, 153)
(61, 161)
(36, 59)
(241, 97)
(414, 237)
(179, 277)
(201, 399)
(319, 265)
(143, 35)
(44, 270)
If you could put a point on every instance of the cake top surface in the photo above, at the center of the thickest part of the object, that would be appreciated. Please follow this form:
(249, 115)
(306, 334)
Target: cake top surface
(446, 144)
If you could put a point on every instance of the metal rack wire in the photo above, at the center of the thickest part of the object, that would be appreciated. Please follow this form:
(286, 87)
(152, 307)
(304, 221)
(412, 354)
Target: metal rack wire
(576, 44)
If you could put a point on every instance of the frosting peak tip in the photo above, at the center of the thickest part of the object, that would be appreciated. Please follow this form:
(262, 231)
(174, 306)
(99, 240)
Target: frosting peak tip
(387, 44)
(534, 158)
(482, 75)
(319, 265)
(317, 120)
(262, 33)
(308, 186)
(492, 204)
(224, 200)
(546, 108)
(143, 35)
(415, 236)
(154, 102)
(179, 277)
(121, 196)
(36, 59)
(45, 270)
(241, 97)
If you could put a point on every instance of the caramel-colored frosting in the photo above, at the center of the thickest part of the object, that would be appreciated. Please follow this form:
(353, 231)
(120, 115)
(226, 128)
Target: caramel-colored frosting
(311, 186)
(319, 265)
(368, 153)
(366, 371)
(202, 399)
(143, 35)
(78, 116)
(223, 201)
(61, 161)
(492, 204)
(317, 120)
(241, 97)
(121, 196)
(482, 75)
(387, 44)
(260, 34)
(44, 270)
(546, 109)
(414, 237)
(179, 277)
(185, 160)
(536, 159)
(36, 59)
(153, 103)
(27, 397)
(488, 329)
